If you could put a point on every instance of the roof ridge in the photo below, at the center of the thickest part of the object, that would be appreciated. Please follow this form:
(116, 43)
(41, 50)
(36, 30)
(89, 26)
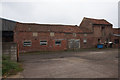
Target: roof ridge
(93, 18)
(48, 24)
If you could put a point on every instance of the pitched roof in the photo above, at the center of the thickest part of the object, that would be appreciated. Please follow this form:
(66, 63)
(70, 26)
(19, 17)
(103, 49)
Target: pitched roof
(7, 25)
(47, 28)
(98, 21)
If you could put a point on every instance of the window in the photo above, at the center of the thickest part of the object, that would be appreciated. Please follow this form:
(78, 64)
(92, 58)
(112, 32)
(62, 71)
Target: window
(103, 31)
(85, 41)
(35, 34)
(85, 35)
(108, 40)
(27, 43)
(99, 41)
(74, 34)
(103, 28)
(43, 42)
(57, 42)
(29, 28)
(51, 34)
(116, 41)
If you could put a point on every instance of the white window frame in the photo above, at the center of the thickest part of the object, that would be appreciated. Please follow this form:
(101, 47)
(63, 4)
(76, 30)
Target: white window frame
(43, 42)
(58, 40)
(27, 43)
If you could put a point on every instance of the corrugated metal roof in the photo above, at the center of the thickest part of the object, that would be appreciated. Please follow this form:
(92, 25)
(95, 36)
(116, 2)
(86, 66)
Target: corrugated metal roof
(7, 25)
(118, 35)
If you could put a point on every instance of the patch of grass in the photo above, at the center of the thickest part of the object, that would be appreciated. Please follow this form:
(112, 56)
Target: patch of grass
(10, 67)
(5, 57)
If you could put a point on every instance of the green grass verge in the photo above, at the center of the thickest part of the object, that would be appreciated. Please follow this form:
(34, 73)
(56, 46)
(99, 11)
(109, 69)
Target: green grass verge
(10, 67)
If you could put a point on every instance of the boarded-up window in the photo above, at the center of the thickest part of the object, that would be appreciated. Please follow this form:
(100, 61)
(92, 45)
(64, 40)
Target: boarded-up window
(43, 42)
(51, 33)
(58, 42)
(27, 43)
(35, 34)
(85, 35)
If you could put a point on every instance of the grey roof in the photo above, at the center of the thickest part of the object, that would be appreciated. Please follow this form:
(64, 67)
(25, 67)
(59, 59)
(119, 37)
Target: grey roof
(117, 35)
(7, 25)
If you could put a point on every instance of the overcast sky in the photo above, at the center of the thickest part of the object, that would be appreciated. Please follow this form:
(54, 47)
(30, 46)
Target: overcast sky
(70, 12)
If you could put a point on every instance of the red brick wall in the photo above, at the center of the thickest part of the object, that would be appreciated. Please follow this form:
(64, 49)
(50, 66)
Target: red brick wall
(116, 31)
(98, 31)
(86, 24)
(98, 34)
(20, 37)
(92, 38)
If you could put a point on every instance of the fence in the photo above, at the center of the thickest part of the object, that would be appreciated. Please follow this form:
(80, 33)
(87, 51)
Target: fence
(10, 49)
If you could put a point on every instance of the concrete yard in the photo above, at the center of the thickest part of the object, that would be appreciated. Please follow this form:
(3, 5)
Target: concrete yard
(79, 64)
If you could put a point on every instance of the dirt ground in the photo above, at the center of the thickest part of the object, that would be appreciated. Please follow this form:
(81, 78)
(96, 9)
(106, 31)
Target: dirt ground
(80, 64)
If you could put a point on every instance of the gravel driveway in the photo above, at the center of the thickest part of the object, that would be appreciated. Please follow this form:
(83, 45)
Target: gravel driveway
(80, 64)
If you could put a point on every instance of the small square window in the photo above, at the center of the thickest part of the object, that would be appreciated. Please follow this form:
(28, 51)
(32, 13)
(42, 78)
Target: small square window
(51, 34)
(43, 42)
(57, 42)
(74, 34)
(27, 43)
(116, 41)
(35, 34)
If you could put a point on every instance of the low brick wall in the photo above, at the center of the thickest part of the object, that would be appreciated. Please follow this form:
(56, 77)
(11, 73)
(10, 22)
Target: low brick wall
(10, 49)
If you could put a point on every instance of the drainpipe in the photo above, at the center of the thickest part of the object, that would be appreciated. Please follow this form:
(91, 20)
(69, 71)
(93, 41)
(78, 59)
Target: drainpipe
(17, 52)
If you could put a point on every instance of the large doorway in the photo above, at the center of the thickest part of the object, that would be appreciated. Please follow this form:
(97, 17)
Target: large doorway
(74, 43)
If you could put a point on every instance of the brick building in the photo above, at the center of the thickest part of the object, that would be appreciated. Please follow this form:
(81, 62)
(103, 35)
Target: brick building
(46, 37)
(116, 37)
(101, 30)
(51, 37)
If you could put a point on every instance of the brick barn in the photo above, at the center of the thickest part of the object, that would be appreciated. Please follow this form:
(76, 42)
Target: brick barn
(116, 37)
(49, 37)
(101, 30)
(54, 37)
(45, 37)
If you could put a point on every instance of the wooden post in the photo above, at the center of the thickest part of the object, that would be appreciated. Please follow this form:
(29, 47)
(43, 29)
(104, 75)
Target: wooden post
(17, 52)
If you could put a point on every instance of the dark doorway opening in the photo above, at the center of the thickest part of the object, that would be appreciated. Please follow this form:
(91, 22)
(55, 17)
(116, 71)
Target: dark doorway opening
(7, 36)
(99, 40)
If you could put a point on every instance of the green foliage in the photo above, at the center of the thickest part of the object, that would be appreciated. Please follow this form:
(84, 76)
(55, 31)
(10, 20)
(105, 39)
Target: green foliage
(10, 67)
(5, 57)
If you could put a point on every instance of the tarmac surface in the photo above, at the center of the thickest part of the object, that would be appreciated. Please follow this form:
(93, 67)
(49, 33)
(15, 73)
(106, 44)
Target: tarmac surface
(80, 64)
